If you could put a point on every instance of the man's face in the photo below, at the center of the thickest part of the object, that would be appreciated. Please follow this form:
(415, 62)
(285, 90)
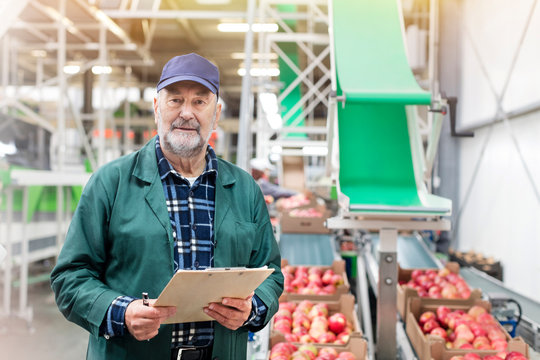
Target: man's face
(186, 113)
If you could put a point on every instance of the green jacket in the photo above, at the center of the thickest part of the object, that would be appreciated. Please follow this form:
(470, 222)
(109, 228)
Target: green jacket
(120, 242)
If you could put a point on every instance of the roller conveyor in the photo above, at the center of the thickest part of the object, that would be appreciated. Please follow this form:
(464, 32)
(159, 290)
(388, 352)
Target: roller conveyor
(308, 249)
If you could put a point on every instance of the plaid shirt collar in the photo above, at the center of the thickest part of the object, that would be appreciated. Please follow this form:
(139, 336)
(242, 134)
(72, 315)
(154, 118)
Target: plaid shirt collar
(165, 168)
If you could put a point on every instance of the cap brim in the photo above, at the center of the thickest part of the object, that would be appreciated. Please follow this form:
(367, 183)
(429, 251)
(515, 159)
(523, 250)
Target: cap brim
(176, 79)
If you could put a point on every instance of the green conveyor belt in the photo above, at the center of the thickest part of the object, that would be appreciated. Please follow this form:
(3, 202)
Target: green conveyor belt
(307, 249)
(377, 173)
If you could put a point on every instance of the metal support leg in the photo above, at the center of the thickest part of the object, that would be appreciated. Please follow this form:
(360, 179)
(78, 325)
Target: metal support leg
(9, 252)
(386, 300)
(362, 295)
(24, 311)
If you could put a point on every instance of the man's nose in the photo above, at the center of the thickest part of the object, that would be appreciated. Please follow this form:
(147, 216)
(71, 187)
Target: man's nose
(186, 110)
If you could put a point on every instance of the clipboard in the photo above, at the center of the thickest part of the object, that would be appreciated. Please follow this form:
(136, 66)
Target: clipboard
(191, 290)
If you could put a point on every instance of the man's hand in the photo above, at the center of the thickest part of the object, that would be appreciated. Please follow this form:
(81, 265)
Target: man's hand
(231, 312)
(143, 321)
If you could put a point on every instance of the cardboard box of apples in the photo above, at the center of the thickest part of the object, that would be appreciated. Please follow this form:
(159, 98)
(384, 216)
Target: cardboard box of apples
(319, 322)
(458, 329)
(296, 201)
(281, 350)
(320, 283)
(445, 284)
(305, 220)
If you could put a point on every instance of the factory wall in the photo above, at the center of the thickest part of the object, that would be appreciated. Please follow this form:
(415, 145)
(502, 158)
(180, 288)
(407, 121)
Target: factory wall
(499, 172)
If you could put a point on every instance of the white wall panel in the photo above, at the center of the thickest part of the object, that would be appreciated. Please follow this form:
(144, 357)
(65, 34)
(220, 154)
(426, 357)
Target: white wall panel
(493, 29)
(502, 215)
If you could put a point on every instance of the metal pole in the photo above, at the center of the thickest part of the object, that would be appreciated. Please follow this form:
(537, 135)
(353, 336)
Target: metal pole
(244, 129)
(363, 299)
(102, 85)
(59, 216)
(127, 112)
(23, 290)
(62, 83)
(9, 251)
(5, 69)
(387, 295)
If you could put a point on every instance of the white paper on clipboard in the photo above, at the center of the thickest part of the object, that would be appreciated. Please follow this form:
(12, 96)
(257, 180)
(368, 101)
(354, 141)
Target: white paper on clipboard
(191, 290)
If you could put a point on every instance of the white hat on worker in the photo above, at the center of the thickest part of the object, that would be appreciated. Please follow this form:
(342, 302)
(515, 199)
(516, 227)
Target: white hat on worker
(261, 164)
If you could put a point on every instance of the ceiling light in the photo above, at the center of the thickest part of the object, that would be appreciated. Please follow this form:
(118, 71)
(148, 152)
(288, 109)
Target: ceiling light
(243, 27)
(72, 69)
(98, 70)
(254, 56)
(259, 71)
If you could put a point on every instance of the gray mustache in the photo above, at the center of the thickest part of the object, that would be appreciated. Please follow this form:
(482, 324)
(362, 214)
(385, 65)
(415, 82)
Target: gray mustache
(179, 124)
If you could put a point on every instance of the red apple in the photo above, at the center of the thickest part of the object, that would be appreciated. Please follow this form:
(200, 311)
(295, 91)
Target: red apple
(425, 316)
(327, 277)
(442, 313)
(476, 310)
(326, 338)
(298, 355)
(472, 356)
(515, 355)
(328, 351)
(429, 325)
(346, 355)
(459, 342)
(439, 331)
(337, 323)
(309, 349)
(499, 345)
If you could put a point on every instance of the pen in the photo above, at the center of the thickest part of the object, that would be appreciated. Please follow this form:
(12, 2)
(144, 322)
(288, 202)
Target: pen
(145, 298)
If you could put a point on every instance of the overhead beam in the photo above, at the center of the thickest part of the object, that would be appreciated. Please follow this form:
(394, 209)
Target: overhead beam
(173, 14)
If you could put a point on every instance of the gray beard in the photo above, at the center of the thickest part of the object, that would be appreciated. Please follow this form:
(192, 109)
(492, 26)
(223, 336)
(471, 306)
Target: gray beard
(183, 146)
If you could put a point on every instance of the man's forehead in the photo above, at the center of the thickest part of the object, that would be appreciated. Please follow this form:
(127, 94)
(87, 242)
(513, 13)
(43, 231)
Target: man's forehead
(187, 85)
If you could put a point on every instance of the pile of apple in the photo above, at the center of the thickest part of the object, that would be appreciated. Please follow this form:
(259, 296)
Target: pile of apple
(306, 213)
(288, 351)
(294, 201)
(438, 284)
(513, 355)
(310, 281)
(310, 323)
(474, 329)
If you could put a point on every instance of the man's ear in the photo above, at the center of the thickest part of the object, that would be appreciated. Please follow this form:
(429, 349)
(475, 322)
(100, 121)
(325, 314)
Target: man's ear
(218, 115)
(156, 111)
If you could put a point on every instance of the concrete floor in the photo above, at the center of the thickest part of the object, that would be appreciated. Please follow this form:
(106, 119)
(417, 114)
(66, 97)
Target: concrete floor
(50, 336)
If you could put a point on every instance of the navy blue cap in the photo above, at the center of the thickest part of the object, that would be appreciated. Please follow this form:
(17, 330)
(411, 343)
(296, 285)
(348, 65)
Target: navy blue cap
(190, 67)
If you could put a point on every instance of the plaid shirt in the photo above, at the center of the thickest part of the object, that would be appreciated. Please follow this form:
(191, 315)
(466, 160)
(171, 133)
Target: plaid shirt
(191, 212)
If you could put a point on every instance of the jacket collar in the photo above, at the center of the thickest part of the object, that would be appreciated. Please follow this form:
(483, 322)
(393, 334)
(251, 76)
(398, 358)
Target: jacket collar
(146, 165)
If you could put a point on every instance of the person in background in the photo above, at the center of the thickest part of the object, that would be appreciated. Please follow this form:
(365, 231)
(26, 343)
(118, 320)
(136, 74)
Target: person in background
(259, 170)
(171, 205)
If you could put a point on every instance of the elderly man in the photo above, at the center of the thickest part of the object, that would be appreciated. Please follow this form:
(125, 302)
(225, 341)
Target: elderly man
(171, 205)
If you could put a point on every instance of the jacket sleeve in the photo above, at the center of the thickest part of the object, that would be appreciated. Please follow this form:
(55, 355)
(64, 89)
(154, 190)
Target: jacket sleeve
(266, 252)
(76, 280)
